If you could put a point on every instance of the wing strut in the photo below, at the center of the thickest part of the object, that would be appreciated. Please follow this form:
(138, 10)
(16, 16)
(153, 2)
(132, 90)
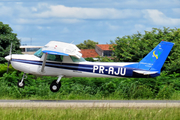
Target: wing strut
(44, 62)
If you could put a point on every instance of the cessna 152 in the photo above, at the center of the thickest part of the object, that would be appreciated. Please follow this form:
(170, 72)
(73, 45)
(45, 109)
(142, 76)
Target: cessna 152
(64, 60)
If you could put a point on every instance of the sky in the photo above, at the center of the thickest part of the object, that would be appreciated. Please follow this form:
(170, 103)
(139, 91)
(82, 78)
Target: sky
(37, 22)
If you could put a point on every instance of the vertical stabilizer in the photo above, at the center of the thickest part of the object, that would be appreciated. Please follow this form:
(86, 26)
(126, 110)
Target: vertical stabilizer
(156, 58)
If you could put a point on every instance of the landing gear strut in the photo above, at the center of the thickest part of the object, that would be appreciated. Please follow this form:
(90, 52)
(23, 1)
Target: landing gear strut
(21, 83)
(56, 84)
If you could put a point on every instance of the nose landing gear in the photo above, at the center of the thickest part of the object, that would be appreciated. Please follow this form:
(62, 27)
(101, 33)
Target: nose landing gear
(21, 83)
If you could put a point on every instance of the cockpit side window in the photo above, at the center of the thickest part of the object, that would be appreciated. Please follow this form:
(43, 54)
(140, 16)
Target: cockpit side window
(58, 58)
(39, 53)
(50, 57)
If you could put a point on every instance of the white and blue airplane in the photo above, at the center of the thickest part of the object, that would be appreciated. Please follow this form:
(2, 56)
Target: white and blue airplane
(65, 60)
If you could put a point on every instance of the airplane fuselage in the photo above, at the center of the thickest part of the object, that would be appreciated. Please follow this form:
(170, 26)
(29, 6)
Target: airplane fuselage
(32, 65)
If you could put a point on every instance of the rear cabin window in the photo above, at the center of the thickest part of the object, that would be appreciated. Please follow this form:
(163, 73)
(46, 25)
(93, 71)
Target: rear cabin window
(74, 59)
(58, 58)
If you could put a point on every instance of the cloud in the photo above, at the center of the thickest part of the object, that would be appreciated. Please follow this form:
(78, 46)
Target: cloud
(33, 21)
(43, 13)
(141, 28)
(176, 10)
(14, 10)
(34, 9)
(41, 21)
(25, 39)
(62, 11)
(43, 28)
(65, 30)
(29, 41)
(147, 4)
(72, 21)
(159, 18)
(40, 27)
(5, 11)
(17, 28)
(112, 27)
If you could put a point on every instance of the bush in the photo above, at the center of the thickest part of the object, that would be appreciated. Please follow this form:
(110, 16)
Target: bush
(166, 92)
(162, 87)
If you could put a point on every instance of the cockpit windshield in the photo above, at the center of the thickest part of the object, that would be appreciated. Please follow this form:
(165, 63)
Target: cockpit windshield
(39, 53)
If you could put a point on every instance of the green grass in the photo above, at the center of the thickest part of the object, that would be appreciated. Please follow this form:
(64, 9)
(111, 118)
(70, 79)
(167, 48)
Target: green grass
(59, 96)
(90, 114)
(71, 96)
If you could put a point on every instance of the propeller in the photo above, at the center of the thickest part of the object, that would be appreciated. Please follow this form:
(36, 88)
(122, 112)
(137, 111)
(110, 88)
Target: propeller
(10, 55)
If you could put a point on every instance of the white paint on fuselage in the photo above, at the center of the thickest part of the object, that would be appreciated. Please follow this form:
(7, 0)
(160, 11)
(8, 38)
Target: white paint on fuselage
(51, 71)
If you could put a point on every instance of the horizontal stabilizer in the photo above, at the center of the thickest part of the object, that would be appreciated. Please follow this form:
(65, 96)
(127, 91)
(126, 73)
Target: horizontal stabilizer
(144, 72)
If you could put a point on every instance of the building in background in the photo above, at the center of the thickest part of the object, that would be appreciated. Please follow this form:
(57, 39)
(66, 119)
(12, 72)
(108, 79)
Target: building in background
(104, 50)
(100, 50)
(89, 53)
(29, 49)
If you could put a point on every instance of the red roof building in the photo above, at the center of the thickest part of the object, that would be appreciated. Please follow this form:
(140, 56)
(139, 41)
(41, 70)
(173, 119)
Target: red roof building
(104, 46)
(100, 50)
(89, 53)
(103, 49)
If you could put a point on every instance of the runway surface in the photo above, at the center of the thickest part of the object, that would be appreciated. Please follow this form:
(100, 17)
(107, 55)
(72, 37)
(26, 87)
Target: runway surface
(90, 103)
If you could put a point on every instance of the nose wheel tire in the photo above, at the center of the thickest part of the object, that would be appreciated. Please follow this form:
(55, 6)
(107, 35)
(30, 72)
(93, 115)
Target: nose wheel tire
(20, 84)
(54, 87)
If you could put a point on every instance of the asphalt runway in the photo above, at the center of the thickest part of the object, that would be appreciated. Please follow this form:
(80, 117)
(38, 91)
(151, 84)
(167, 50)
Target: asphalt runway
(90, 103)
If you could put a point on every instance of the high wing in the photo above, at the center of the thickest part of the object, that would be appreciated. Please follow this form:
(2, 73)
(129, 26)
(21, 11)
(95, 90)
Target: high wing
(61, 48)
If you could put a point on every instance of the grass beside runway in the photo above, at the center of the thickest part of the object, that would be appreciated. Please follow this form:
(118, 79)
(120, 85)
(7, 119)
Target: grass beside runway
(89, 113)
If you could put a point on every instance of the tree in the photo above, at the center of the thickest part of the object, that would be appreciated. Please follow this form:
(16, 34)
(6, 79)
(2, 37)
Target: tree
(133, 48)
(89, 44)
(6, 38)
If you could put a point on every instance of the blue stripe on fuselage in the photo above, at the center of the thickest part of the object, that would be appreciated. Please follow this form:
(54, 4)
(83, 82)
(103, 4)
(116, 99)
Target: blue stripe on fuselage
(120, 71)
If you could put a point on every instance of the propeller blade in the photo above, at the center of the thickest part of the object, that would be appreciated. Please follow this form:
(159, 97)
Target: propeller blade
(8, 66)
(10, 54)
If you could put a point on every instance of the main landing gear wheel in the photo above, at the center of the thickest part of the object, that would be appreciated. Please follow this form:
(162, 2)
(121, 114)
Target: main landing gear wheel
(20, 84)
(54, 87)
(56, 84)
